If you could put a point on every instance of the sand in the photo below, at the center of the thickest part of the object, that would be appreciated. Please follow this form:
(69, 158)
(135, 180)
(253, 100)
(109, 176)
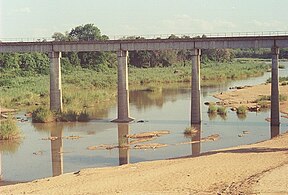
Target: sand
(248, 95)
(260, 168)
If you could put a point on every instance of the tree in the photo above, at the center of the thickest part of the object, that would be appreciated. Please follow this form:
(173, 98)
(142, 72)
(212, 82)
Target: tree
(87, 32)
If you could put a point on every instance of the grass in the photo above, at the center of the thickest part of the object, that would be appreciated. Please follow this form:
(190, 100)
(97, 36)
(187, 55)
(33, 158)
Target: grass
(84, 88)
(69, 116)
(9, 129)
(42, 115)
(265, 98)
(281, 80)
(83, 116)
(190, 131)
(212, 108)
(241, 109)
(221, 110)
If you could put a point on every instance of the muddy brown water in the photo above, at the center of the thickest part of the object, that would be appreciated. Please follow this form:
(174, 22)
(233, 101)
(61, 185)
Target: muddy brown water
(168, 108)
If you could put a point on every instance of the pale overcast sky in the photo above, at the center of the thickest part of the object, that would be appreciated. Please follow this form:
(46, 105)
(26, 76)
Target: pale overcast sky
(41, 18)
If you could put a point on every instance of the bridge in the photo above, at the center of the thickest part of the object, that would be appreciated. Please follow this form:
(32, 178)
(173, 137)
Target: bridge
(122, 47)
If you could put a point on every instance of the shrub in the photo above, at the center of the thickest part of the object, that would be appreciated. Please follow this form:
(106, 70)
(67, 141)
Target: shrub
(241, 110)
(9, 129)
(42, 115)
(83, 117)
(283, 98)
(212, 109)
(70, 116)
(221, 110)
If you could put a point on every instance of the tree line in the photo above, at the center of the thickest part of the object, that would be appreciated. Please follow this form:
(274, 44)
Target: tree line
(31, 63)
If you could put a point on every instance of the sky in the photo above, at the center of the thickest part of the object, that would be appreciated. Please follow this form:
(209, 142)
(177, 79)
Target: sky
(42, 18)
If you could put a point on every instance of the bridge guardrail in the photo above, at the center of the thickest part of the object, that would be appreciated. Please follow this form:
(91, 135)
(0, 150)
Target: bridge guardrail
(163, 36)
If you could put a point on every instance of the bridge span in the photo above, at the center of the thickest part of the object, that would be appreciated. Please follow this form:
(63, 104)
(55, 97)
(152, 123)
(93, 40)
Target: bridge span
(122, 47)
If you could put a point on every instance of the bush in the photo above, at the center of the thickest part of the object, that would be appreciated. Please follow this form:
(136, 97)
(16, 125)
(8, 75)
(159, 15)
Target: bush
(241, 110)
(70, 116)
(83, 117)
(42, 115)
(212, 109)
(9, 129)
(221, 110)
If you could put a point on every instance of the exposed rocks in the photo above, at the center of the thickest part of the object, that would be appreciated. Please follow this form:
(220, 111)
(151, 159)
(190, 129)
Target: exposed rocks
(148, 134)
(38, 153)
(246, 132)
(254, 108)
(149, 146)
(101, 147)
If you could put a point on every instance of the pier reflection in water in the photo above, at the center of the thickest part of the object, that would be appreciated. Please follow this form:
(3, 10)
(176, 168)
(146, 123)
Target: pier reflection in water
(123, 143)
(275, 131)
(196, 140)
(57, 149)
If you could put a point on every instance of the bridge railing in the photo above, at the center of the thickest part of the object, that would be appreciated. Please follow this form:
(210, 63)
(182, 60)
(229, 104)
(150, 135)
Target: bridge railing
(163, 36)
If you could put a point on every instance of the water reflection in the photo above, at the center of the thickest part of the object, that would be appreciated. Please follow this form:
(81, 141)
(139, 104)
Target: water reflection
(242, 117)
(57, 149)
(56, 135)
(9, 146)
(196, 144)
(274, 130)
(156, 96)
(212, 116)
(123, 143)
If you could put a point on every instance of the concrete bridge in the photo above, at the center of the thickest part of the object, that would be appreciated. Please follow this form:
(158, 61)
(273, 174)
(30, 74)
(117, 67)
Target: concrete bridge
(122, 47)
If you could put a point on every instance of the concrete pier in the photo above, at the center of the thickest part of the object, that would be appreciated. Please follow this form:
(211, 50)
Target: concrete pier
(275, 111)
(123, 142)
(123, 91)
(55, 82)
(195, 91)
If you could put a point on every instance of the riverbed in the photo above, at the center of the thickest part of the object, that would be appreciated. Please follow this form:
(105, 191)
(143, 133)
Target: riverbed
(167, 108)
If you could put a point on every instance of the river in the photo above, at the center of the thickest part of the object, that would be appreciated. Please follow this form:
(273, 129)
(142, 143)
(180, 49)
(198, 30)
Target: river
(165, 109)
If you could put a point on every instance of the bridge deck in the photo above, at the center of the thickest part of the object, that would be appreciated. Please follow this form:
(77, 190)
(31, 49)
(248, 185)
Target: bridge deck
(147, 44)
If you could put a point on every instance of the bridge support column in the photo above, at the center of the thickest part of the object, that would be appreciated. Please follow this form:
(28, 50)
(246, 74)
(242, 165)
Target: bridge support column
(123, 91)
(55, 82)
(275, 111)
(195, 92)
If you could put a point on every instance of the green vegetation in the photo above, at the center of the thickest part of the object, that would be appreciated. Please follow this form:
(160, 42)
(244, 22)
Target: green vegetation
(69, 116)
(221, 110)
(9, 129)
(83, 117)
(241, 110)
(42, 115)
(24, 78)
(212, 108)
(264, 98)
(281, 80)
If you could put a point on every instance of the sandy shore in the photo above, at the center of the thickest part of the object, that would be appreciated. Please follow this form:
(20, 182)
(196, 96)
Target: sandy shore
(261, 167)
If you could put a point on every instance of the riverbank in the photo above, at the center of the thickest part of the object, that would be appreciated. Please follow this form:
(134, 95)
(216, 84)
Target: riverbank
(245, 169)
(27, 92)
